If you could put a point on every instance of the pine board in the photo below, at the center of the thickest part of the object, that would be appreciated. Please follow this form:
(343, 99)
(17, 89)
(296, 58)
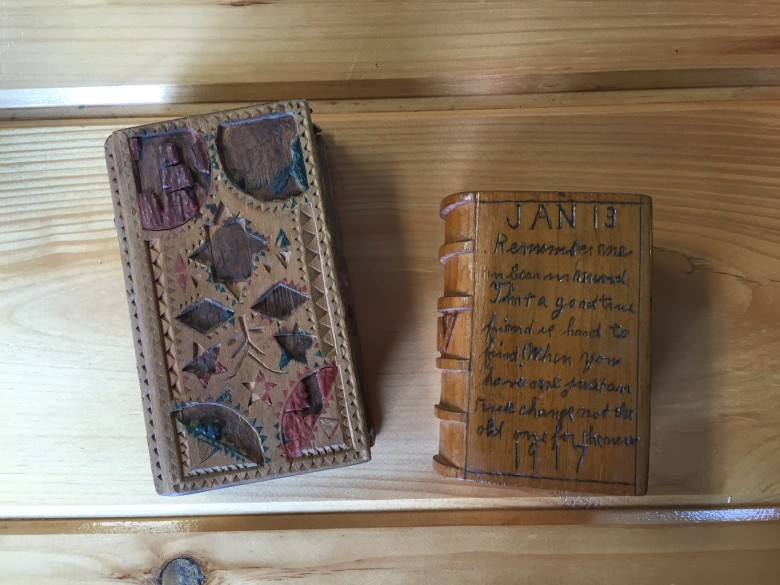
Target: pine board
(74, 435)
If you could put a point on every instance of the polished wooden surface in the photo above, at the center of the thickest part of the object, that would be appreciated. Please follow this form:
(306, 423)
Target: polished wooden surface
(544, 336)
(342, 49)
(420, 99)
(709, 166)
(243, 550)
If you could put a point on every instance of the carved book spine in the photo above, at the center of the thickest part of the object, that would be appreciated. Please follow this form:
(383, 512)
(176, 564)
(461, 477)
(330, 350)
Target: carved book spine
(544, 336)
(454, 333)
(240, 319)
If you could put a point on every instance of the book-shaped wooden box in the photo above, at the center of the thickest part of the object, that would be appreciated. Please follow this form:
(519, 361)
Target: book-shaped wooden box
(544, 334)
(243, 343)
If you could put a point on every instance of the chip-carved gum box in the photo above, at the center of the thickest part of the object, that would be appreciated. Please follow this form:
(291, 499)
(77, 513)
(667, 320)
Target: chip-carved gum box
(245, 351)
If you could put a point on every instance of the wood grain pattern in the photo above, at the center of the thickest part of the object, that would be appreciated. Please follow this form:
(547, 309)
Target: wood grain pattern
(64, 105)
(389, 49)
(710, 167)
(646, 554)
(544, 335)
(506, 516)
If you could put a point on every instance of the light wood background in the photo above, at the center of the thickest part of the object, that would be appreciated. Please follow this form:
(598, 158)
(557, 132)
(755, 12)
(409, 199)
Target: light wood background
(418, 100)
(352, 48)
(248, 551)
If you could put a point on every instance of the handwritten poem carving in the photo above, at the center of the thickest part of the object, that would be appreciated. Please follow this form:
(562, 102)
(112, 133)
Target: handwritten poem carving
(559, 350)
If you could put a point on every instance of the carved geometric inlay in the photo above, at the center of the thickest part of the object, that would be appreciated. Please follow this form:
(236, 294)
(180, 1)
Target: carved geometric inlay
(294, 345)
(285, 248)
(263, 156)
(302, 410)
(205, 364)
(279, 301)
(223, 429)
(447, 323)
(172, 174)
(180, 267)
(205, 315)
(230, 248)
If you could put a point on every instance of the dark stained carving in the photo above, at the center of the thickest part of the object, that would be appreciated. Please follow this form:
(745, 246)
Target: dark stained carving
(303, 408)
(280, 301)
(205, 315)
(294, 345)
(172, 174)
(205, 364)
(229, 252)
(313, 395)
(263, 156)
(223, 429)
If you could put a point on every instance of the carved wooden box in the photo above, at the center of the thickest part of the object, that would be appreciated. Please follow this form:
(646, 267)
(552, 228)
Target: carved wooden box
(544, 334)
(238, 306)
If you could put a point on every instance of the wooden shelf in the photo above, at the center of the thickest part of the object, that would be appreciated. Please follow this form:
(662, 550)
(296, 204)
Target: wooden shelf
(409, 118)
(709, 167)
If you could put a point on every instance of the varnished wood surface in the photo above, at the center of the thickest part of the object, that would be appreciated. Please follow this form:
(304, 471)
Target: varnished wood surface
(544, 335)
(648, 516)
(223, 49)
(538, 553)
(74, 436)
(58, 107)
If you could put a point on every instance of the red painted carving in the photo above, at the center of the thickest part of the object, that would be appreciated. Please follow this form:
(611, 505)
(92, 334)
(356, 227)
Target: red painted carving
(303, 408)
(172, 177)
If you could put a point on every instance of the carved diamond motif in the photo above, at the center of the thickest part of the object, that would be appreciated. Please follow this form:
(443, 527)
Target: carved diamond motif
(205, 315)
(279, 301)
